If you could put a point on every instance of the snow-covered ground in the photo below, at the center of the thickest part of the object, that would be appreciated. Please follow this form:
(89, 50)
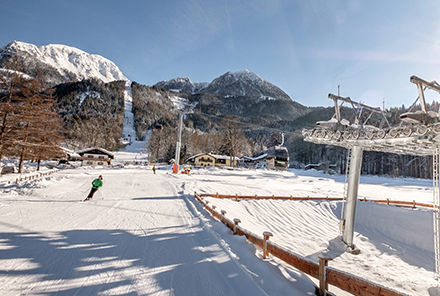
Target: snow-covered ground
(144, 234)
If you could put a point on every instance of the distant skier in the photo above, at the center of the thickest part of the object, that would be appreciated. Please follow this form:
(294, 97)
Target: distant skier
(96, 184)
(154, 169)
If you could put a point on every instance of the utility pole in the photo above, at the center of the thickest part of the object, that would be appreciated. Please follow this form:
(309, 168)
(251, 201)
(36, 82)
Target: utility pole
(188, 108)
(179, 141)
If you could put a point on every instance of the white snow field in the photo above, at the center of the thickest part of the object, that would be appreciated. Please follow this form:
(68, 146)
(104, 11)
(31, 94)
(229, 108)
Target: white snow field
(144, 234)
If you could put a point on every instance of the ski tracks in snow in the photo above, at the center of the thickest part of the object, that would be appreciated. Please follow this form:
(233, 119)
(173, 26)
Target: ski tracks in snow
(142, 234)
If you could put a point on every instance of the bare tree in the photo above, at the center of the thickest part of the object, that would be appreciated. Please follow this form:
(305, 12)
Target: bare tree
(233, 138)
(161, 142)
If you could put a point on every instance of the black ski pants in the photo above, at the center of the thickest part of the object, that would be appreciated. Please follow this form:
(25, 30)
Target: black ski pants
(92, 192)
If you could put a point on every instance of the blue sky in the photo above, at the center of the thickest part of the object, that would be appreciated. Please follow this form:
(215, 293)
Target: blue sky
(371, 48)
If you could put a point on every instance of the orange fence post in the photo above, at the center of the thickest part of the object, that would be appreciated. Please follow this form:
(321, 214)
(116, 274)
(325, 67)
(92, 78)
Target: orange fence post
(323, 285)
(266, 236)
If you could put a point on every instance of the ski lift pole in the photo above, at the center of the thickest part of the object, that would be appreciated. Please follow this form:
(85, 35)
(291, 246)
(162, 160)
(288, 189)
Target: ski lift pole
(436, 201)
(179, 140)
(352, 194)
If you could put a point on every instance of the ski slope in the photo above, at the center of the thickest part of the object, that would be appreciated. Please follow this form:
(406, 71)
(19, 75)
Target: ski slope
(144, 234)
(128, 131)
(134, 151)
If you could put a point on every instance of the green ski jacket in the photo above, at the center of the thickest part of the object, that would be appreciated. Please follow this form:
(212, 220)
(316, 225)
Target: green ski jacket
(96, 183)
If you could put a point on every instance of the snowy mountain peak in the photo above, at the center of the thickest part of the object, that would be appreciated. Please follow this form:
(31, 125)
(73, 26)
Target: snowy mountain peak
(182, 84)
(246, 74)
(67, 60)
(245, 83)
(239, 83)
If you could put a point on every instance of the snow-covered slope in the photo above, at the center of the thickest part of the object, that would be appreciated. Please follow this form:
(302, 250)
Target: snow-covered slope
(66, 60)
(129, 132)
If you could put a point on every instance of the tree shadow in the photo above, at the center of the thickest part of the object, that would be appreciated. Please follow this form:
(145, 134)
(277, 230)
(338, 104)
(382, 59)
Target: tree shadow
(172, 260)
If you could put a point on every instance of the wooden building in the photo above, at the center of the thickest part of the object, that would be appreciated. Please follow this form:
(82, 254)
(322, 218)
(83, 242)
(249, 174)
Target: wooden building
(212, 160)
(95, 156)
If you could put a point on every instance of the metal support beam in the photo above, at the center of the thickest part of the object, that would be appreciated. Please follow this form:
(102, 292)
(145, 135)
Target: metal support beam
(422, 98)
(352, 193)
(436, 201)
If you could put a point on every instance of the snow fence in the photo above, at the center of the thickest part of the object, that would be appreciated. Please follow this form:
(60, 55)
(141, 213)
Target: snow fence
(27, 177)
(400, 203)
(326, 275)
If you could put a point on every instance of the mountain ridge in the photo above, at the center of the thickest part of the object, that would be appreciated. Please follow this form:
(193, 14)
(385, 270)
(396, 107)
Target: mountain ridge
(63, 63)
(182, 84)
(230, 84)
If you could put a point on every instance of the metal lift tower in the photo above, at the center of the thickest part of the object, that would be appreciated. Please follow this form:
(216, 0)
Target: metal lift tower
(418, 134)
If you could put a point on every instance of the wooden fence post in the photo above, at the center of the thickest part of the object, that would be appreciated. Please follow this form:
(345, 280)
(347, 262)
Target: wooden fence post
(223, 215)
(236, 221)
(266, 236)
(323, 285)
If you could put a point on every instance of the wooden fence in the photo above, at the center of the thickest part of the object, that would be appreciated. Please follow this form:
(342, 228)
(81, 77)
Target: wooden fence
(28, 177)
(326, 275)
(411, 204)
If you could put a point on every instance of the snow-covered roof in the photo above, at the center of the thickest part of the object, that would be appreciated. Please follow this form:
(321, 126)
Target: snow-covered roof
(223, 157)
(89, 150)
(212, 155)
(197, 155)
(262, 156)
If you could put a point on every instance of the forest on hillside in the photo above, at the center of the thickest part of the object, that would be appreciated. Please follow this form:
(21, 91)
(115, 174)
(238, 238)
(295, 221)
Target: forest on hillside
(154, 111)
(92, 113)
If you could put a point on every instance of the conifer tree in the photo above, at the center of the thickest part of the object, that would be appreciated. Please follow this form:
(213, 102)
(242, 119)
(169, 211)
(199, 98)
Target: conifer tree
(29, 128)
(11, 82)
(38, 135)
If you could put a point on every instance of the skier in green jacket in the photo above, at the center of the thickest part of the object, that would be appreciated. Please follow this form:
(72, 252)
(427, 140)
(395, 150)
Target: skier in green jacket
(95, 186)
